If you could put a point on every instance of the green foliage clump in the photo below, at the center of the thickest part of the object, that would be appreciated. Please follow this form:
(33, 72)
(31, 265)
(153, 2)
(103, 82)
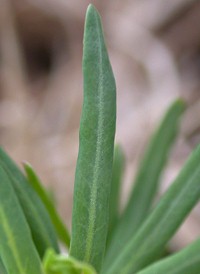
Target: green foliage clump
(102, 240)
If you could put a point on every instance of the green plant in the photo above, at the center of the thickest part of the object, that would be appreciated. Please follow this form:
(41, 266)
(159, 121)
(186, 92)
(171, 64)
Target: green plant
(103, 240)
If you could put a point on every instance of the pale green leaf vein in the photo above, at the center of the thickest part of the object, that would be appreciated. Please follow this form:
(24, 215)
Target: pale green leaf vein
(93, 198)
(11, 242)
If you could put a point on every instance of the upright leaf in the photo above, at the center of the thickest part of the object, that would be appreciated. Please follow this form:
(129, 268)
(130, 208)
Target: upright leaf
(94, 165)
(118, 168)
(2, 268)
(147, 179)
(186, 261)
(35, 182)
(42, 230)
(18, 252)
(162, 223)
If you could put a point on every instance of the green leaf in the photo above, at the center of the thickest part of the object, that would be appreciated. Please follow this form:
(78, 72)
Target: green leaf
(42, 230)
(2, 268)
(118, 169)
(187, 261)
(147, 180)
(162, 223)
(17, 249)
(35, 182)
(94, 165)
(64, 264)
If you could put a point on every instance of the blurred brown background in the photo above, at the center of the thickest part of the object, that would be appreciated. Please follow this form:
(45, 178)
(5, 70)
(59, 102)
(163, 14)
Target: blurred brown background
(154, 48)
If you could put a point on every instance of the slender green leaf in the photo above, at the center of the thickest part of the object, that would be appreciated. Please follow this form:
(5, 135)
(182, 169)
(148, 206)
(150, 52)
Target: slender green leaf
(186, 261)
(162, 223)
(118, 169)
(42, 230)
(18, 253)
(51, 196)
(2, 268)
(147, 179)
(35, 182)
(94, 165)
(64, 264)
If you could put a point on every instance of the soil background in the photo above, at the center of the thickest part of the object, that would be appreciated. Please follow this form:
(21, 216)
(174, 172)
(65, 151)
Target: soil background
(154, 47)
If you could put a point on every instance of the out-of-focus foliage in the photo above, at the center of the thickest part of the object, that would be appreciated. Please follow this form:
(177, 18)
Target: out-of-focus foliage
(40, 51)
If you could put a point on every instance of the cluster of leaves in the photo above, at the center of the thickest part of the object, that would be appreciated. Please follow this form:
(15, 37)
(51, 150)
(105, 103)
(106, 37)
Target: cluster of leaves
(103, 240)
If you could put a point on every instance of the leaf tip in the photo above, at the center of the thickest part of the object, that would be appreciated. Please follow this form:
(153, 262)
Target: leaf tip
(179, 102)
(91, 12)
(91, 8)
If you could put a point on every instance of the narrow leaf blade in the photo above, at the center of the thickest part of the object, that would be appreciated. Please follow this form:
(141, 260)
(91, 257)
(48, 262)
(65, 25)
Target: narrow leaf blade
(42, 230)
(118, 169)
(147, 180)
(186, 261)
(35, 182)
(17, 249)
(148, 243)
(94, 165)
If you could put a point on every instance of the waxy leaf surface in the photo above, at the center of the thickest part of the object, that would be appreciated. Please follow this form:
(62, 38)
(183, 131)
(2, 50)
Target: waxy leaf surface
(94, 165)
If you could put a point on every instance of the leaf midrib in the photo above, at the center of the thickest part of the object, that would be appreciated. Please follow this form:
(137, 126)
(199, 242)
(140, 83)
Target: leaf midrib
(92, 207)
(11, 242)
